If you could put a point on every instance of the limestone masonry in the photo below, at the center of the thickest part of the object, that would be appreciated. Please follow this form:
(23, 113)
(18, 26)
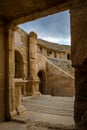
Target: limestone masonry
(42, 64)
(22, 68)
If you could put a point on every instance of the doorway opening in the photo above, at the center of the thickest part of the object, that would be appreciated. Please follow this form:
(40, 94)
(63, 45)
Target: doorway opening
(42, 84)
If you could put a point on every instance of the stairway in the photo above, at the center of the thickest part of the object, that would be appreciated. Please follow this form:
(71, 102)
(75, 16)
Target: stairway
(65, 65)
(59, 81)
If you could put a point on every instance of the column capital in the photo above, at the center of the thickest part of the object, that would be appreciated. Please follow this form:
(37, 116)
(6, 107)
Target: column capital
(33, 34)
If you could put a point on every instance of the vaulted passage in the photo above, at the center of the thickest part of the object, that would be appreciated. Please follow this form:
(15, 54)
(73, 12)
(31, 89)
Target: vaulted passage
(30, 10)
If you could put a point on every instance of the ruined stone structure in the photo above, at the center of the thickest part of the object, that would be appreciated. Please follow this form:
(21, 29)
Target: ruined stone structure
(57, 68)
(35, 64)
(14, 13)
(53, 50)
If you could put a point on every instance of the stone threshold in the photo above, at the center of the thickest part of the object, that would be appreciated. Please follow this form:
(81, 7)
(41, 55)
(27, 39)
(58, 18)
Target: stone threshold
(41, 121)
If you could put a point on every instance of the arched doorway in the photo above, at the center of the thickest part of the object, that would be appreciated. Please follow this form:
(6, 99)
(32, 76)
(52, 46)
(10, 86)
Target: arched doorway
(18, 65)
(68, 56)
(42, 84)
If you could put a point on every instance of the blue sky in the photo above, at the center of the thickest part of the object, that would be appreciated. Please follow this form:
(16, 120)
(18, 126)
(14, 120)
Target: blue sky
(54, 28)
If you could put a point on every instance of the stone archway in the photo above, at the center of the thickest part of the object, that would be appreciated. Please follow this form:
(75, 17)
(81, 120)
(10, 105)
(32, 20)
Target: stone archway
(42, 84)
(78, 33)
(18, 65)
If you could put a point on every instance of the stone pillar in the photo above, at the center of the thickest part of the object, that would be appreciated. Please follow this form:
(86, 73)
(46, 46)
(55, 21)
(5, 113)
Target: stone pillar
(78, 16)
(33, 78)
(80, 106)
(2, 72)
(9, 70)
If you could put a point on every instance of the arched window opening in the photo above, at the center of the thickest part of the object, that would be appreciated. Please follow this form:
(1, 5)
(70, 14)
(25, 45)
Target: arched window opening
(49, 52)
(18, 65)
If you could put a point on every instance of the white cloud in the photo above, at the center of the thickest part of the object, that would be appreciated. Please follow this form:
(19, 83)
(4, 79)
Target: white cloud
(54, 28)
(65, 41)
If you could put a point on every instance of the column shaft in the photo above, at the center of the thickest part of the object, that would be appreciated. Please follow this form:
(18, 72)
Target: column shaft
(34, 79)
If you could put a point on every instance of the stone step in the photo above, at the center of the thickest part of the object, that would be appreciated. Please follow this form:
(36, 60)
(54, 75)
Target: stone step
(42, 121)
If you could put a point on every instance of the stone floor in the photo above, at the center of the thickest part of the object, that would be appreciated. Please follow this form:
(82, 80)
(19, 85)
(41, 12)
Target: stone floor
(44, 113)
(50, 104)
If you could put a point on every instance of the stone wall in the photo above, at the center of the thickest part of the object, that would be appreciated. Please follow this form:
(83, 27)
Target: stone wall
(65, 65)
(52, 74)
(61, 55)
(41, 61)
(21, 45)
(59, 83)
(2, 75)
(52, 53)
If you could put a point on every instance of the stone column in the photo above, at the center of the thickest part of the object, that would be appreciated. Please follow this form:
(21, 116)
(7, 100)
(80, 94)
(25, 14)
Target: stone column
(33, 78)
(9, 70)
(78, 16)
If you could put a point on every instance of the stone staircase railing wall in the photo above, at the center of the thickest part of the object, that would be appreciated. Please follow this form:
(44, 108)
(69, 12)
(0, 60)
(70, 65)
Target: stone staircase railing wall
(59, 82)
(63, 64)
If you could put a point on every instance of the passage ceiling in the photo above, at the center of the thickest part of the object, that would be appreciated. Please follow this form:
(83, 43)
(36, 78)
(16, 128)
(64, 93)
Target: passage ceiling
(20, 11)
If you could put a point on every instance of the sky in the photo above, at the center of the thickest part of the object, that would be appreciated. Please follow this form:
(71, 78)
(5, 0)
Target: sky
(54, 28)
